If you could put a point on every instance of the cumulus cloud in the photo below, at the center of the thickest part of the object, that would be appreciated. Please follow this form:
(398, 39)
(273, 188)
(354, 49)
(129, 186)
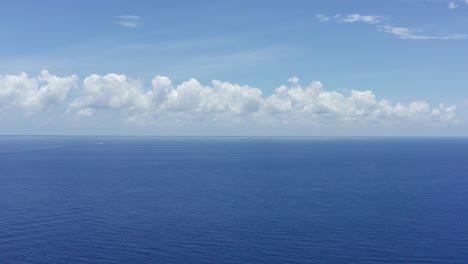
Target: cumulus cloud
(189, 99)
(224, 102)
(34, 94)
(315, 103)
(219, 102)
(111, 91)
(129, 21)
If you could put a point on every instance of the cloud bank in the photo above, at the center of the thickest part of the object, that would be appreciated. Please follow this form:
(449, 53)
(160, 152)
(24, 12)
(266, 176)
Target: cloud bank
(224, 102)
(217, 103)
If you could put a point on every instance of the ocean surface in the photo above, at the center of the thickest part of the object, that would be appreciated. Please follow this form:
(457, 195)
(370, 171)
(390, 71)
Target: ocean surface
(233, 200)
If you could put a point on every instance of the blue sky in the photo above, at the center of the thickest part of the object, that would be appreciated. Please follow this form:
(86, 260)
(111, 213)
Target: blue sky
(402, 52)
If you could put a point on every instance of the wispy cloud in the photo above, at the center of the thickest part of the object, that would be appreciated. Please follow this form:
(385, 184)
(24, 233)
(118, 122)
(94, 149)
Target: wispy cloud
(371, 19)
(130, 17)
(452, 5)
(322, 17)
(400, 32)
(130, 21)
(457, 3)
(406, 33)
(351, 18)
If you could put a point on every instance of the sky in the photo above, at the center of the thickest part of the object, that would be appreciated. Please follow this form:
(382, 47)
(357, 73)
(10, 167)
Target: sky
(234, 68)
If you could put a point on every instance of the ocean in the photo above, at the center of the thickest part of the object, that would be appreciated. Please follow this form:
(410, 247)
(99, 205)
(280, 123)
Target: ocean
(233, 200)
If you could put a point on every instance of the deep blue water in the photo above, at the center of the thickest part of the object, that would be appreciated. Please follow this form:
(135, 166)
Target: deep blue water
(233, 200)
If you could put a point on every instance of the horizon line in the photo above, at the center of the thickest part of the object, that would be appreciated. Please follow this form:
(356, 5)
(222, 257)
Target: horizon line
(231, 136)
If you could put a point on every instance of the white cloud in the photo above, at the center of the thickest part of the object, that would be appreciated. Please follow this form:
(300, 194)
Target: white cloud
(293, 80)
(315, 104)
(400, 32)
(453, 5)
(36, 93)
(324, 18)
(129, 17)
(220, 102)
(129, 24)
(406, 33)
(111, 91)
(351, 18)
(456, 4)
(224, 103)
(371, 19)
(189, 99)
(130, 21)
